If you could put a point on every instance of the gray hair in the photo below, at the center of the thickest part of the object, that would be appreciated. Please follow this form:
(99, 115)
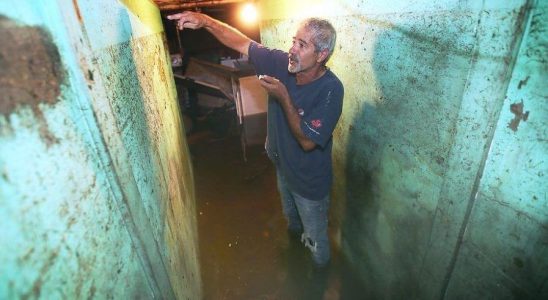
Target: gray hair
(323, 35)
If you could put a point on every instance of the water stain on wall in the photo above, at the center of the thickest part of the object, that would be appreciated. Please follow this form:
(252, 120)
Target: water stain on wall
(31, 70)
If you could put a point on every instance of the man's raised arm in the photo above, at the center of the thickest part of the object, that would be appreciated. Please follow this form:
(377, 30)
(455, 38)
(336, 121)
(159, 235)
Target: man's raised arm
(225, 33)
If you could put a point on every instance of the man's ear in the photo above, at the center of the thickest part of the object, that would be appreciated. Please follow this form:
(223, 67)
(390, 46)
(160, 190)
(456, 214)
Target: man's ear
(322, 56)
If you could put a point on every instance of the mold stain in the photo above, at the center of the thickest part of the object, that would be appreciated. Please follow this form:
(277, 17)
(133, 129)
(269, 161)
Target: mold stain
(36, 289)
(31, 71)
(523, 82)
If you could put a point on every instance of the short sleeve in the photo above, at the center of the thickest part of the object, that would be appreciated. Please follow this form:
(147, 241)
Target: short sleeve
(318, 125)
(267, 61)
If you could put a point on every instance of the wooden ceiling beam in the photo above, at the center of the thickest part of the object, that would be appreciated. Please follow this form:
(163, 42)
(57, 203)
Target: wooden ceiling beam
(182, 4)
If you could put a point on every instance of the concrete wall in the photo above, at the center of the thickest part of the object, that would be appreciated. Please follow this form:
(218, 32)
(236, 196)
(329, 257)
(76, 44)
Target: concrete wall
(440, 187)
(96, 186)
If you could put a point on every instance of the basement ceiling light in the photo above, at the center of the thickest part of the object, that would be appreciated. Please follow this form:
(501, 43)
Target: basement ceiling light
(248, 13)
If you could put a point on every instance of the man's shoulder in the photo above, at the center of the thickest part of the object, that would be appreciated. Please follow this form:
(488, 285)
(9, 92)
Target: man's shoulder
(267, 61)
(256, 47)
(332, 80)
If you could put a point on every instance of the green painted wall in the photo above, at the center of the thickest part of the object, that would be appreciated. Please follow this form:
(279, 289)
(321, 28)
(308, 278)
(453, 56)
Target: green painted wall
(96, 186)
(435, 196)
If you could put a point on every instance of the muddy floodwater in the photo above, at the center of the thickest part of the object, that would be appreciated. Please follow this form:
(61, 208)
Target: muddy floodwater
(244, 250)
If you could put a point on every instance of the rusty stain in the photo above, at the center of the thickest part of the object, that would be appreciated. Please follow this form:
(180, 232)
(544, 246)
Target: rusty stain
(77, 10)
(517, 110)
(32, 72)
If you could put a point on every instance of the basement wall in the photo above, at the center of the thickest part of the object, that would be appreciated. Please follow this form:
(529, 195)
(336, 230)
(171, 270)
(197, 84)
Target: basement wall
(440, 154)
(96, 185)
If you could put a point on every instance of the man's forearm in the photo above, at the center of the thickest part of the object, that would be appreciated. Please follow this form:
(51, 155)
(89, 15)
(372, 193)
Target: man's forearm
(294, 121)
(225, 33)
(228, 35)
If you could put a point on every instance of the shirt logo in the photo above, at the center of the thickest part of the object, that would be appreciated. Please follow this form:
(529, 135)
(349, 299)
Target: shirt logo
(316, 123)
(300, 111)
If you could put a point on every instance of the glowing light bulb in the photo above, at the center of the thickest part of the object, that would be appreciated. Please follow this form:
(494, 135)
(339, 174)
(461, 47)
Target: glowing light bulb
(249, 14)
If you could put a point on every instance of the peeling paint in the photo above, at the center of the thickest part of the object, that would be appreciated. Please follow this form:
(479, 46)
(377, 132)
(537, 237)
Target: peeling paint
(517, 110)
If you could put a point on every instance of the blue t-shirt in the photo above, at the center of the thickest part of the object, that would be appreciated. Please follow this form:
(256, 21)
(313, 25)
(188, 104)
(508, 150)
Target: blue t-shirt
(319, 103)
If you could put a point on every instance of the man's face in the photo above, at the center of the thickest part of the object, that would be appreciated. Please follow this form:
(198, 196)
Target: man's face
(302, 55)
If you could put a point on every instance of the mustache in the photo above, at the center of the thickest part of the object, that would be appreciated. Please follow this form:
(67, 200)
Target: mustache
(293, 57)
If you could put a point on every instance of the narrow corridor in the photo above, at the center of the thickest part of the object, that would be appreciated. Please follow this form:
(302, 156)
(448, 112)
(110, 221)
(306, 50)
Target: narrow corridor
(244, 250)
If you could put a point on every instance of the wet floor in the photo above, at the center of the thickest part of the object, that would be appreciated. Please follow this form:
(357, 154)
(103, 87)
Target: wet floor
(244, 250)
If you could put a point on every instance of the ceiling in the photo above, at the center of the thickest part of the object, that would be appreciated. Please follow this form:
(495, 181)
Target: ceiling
(166, 5)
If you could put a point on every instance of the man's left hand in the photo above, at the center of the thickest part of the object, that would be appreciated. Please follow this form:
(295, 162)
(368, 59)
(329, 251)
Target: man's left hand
(274, 87)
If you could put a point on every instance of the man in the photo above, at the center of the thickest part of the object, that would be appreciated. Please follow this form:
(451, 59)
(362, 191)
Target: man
(305, 103)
